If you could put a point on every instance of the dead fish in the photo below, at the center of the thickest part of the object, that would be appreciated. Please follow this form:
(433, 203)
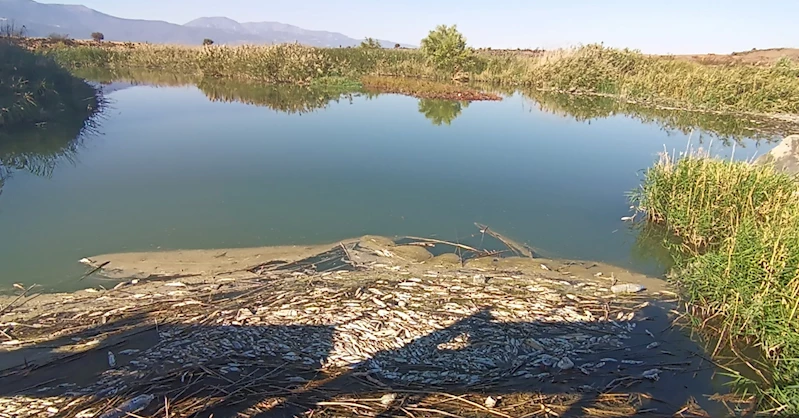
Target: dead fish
(112, 360)
(388, 399)
(651, 374)
(175, 284)
(565, 363)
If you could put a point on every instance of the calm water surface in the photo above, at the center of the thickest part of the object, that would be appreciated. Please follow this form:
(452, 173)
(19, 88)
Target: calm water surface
(171, 169)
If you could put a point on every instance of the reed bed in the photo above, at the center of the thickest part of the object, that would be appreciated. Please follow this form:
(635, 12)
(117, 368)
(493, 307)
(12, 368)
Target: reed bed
(738, 259)
(592, 69)
(652, 79)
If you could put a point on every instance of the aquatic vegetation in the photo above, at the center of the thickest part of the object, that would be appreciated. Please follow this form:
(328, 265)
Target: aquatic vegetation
(591, 69)
(737, 258)
(34, 89)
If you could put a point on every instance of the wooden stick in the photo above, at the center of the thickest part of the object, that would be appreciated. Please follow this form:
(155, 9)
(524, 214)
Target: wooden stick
(517, 248)
(438, 241)
(94, 270)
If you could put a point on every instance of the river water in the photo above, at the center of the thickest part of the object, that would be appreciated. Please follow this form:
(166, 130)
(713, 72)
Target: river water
(211, 166)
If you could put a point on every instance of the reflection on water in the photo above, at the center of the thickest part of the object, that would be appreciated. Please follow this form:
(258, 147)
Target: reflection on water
(204, 166)
(38, 149)
(584, 108)
(441, 111)
(725, 127)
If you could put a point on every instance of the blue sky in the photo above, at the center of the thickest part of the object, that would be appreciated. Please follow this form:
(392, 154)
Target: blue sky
(675, 26)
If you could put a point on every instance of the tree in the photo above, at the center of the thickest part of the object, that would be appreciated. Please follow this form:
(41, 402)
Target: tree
(397, 46)
(207, 41)
(445, 48)
(98, 36)
(370, 43)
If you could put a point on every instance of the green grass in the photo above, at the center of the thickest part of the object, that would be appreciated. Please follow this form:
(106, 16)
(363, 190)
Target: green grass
(590, 69)
(737, 226)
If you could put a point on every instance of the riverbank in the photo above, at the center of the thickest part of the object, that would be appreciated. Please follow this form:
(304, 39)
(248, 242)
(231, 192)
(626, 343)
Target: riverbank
(737, 250)
(593, 69)
(366, 326)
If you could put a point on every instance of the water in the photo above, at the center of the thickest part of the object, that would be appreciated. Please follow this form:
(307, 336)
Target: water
(170, 169)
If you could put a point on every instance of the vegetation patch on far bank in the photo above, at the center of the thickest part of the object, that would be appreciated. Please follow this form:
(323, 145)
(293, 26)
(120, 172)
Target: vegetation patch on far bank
(591, 69)
(425, 89)
(738, 258)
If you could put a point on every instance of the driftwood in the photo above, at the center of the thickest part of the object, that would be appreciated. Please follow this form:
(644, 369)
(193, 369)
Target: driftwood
(454, 244)
(517, 248)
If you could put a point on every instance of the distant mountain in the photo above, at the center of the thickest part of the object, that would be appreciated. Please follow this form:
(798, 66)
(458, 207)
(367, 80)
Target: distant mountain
(80, 21)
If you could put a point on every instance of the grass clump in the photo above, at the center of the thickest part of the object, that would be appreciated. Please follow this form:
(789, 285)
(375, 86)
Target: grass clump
(737, 226)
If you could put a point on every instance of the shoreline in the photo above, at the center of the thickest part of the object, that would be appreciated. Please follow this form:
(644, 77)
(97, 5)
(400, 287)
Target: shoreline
(501, 323)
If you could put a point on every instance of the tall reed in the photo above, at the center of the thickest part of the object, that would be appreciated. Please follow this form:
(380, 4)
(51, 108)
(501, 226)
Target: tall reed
(737, 256)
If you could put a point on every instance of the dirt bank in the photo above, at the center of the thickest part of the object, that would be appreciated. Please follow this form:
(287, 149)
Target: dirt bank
(365, 327)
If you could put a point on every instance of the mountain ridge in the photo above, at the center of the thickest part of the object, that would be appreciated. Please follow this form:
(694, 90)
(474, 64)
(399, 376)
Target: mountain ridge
(78, 21)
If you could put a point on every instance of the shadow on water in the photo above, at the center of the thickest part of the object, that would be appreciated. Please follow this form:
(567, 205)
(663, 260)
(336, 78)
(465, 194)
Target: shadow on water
(274, 371)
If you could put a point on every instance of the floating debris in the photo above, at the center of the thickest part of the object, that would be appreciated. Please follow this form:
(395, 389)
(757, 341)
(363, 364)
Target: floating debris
(490, 402)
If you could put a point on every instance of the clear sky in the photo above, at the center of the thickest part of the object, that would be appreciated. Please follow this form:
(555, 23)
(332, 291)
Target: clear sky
(654, 26)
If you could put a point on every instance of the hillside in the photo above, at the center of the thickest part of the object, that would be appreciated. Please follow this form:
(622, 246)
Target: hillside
(79, 22)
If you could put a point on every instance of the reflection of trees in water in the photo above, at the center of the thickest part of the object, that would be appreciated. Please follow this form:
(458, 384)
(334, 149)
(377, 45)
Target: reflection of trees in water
(282, 98)
(39, 149)
(279, 97)
(725, 127)
(441, 111)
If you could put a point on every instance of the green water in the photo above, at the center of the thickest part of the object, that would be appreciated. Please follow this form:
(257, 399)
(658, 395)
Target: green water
(221, 165)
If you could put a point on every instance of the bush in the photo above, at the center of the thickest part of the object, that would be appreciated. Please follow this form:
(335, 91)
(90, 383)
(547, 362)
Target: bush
(98, 36)
(58, 37)
(370, 43)
(208, 41)
(446, 49)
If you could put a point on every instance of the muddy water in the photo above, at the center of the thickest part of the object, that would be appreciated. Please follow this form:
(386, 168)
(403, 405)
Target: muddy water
(214, 166)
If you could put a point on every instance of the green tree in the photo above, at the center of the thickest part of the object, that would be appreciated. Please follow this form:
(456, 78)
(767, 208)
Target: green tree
(370, 43)
(98, 36)
(445, 48)
(439, 111)
(208, 41)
